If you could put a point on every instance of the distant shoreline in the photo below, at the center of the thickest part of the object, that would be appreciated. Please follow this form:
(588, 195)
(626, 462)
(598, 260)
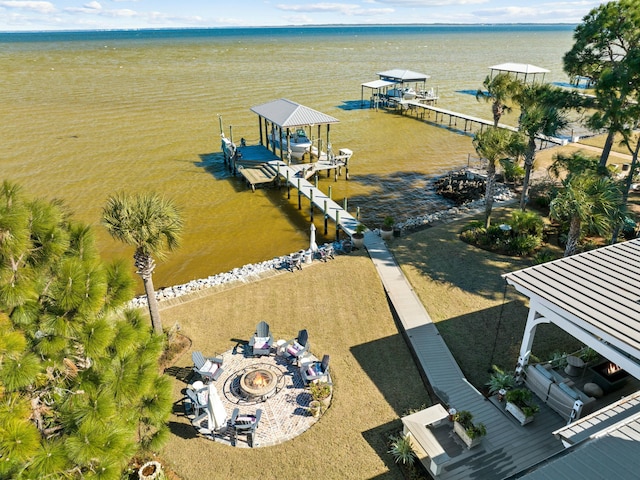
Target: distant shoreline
(199, 31)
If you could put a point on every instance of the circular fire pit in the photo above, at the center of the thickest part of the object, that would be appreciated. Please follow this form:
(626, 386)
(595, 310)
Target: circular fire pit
(258, 383)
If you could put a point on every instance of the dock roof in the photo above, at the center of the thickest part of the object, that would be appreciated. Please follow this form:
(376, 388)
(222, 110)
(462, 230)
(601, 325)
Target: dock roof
(287, 114)
(398, 75)
(525, 68)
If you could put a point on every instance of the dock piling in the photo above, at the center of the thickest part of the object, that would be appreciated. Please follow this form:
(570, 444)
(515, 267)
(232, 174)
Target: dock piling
(299, 196)
(326, 219)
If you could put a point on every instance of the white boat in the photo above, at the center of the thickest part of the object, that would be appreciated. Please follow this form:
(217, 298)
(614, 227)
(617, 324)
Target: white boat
(402, 93)
(299, 143)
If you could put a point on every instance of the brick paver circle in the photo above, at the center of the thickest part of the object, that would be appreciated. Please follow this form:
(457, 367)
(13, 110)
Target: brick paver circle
(285, 412)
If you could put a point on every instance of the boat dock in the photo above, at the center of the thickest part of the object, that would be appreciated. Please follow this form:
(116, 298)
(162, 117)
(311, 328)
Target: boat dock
(259, 166)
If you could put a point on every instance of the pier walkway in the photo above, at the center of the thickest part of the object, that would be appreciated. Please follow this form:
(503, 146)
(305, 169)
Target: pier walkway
(508, 447)
(331, 209)
(469, 120)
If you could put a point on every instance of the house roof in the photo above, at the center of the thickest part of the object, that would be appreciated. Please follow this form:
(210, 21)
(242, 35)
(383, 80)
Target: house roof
(596, 292)
(525, 68)
(609, 447)
(287, 114)
(398, 75)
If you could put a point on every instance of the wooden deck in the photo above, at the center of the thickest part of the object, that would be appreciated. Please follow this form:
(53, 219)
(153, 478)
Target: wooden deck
(508, 447)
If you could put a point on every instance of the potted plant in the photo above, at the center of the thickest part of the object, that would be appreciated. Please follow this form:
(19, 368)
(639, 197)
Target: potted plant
(500, 382)
(315, 408)
(151, 471)
(387, 228)
(520, 405)
(321, 392)
(470, 433)
(358, 236)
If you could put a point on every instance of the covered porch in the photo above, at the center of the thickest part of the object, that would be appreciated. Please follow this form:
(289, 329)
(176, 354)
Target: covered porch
(593, 296)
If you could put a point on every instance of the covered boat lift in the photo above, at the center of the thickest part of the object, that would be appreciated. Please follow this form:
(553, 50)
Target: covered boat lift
(283, 116)
(524, 69)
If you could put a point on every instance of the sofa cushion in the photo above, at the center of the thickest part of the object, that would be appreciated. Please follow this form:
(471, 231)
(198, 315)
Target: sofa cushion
(546, 373)
(569, 391)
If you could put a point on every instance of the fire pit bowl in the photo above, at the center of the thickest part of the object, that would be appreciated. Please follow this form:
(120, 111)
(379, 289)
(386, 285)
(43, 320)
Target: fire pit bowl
(258, 383)
(609, 376)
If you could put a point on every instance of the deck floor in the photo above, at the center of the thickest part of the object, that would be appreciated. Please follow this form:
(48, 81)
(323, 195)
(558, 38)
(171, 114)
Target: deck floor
(508, 447)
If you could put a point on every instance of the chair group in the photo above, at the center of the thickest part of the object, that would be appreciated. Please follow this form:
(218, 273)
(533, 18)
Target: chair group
(208, 368)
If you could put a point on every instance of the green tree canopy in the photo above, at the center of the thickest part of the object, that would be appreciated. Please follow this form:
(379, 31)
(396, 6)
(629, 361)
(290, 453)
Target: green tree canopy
(606, 49)
(587, 201)
(80, 391)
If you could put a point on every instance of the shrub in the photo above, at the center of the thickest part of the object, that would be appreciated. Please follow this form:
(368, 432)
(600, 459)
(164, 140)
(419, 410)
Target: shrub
(525, 222)
(522, 399)
(629, 228)
(320, 391)
(523, 244)
(543, 256)
(401, 450)
(513, 172)
(499, 380)
(474, 430)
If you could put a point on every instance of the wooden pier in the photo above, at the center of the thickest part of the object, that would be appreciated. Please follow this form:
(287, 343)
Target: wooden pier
(330, 209)
(259, 166)
(469, 120)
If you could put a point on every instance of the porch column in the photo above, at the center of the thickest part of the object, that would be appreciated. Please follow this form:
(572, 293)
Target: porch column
(533, 320)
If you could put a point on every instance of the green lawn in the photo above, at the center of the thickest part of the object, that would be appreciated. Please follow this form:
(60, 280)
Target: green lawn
(344, 307)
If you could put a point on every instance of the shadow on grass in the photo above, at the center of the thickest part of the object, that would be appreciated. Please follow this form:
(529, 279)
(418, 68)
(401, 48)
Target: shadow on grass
(183, 430)
(389, 365)
(493, 336)
(379, 438)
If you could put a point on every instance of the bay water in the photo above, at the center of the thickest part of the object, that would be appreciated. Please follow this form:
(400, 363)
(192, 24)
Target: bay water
(87, 114)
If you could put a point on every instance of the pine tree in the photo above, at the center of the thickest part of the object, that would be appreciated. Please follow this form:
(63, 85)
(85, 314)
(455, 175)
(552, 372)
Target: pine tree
(80, 391)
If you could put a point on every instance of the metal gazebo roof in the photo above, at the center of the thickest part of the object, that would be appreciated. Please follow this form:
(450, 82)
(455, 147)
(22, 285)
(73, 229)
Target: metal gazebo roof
(287, 114)
(399, 76)
(594, 296)
(520, 68)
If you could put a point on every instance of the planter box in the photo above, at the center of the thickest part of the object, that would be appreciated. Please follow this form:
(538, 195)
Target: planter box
(462, 433)
(519, 415)
(386, 234)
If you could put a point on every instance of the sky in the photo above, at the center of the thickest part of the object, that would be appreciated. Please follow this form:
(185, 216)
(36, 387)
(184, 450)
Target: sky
(25, 15)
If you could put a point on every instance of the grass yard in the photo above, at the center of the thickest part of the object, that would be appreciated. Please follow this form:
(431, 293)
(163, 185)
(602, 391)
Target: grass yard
(344, 308)
(479, 317)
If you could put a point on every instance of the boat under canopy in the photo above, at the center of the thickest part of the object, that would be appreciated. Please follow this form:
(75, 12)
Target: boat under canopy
(285, 127)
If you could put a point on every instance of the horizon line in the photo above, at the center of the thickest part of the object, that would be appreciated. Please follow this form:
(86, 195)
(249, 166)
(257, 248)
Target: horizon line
(315, 25)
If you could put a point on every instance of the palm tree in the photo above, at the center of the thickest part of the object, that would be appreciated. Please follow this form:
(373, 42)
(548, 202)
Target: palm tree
(498, 90)
(541, 114)
(153, 225)
(587, 200)
(493, 144)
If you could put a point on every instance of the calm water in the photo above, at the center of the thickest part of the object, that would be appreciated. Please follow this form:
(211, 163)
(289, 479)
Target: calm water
(87, 114)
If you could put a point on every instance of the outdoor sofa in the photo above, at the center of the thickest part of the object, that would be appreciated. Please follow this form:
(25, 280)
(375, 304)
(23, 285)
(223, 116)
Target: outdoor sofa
(556, 391)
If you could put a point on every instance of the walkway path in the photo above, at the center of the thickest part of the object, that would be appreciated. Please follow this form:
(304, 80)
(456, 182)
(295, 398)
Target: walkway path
(508, 447)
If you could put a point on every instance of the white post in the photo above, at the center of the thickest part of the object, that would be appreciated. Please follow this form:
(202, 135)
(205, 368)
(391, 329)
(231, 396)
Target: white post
(533, 319)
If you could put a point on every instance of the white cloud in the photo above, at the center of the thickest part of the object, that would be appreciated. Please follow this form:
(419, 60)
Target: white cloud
(40, 7)
(427, 3)
(341, 8)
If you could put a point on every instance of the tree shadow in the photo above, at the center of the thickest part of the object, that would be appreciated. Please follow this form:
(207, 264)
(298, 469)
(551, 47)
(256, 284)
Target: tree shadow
(388, 363)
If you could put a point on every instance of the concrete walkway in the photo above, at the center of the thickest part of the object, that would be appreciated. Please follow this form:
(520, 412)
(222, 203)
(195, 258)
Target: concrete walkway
(508, 447)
